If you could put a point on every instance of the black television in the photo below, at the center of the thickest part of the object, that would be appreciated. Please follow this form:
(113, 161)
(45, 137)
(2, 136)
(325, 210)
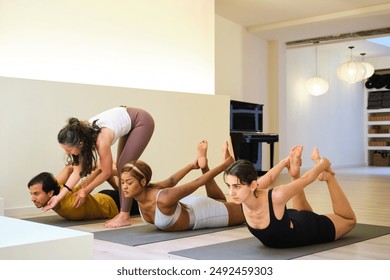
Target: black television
(246, 116)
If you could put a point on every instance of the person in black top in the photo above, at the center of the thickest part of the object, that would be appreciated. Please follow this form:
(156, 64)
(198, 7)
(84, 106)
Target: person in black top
(266, 214)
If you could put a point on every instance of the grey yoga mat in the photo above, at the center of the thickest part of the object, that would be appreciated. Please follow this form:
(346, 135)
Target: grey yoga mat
(145, 234)
(251, 248)
(55, 220)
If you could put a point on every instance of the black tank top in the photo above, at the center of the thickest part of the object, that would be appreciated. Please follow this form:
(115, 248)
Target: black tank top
(308, 228)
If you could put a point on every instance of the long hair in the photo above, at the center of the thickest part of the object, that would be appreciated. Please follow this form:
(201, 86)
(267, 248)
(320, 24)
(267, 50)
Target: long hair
(75, 132)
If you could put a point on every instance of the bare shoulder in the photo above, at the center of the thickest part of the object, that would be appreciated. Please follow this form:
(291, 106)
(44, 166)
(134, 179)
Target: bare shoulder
(278, 195)
(104, 139)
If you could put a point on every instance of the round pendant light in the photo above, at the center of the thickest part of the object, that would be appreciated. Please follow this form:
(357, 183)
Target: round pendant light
(316, 85)
(369, 67)
(351, 71)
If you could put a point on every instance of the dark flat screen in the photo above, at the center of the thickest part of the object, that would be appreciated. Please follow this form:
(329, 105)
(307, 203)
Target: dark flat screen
(245, 116)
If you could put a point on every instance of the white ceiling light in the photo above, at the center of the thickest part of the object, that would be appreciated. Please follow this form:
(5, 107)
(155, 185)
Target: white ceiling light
(316, 85)
(369, 67)
(351, 71)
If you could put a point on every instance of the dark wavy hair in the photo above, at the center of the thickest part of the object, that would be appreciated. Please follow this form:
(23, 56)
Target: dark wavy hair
(49, 183)
(75, 132)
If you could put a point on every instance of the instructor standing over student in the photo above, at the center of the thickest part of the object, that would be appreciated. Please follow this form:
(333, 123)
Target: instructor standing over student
(86, 142)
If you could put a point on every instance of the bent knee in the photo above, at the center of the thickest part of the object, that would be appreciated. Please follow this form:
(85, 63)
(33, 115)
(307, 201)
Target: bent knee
(344, 227)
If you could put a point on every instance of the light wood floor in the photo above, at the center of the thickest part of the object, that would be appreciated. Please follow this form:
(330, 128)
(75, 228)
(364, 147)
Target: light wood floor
(368, 189)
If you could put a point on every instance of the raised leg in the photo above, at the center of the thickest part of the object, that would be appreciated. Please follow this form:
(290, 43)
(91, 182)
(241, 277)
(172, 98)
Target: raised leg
(343, 217)
(299, 201)
(212, 188)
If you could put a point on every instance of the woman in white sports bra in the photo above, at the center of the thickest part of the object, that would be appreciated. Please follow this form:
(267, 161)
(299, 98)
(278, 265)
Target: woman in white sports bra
(172, 208)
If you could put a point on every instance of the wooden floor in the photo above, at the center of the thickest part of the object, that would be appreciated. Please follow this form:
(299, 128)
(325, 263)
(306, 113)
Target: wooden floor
(368, 189)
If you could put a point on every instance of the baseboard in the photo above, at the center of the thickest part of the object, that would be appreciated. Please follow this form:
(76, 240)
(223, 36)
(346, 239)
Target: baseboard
(23, 212)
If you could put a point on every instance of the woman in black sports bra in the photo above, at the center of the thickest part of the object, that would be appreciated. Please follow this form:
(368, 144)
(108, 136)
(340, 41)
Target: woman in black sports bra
(266, 214)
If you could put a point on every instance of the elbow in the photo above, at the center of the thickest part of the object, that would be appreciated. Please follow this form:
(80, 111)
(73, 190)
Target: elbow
(105, 174)
(172, 181)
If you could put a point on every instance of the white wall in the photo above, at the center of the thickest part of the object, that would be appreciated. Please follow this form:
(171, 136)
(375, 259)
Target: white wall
(240, 62)
(333, 122)
(380, 62)
(164, 45)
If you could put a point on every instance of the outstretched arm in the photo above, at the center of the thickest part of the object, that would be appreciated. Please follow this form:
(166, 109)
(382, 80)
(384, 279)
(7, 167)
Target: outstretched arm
(71, 179)
(269, 178)
(179, 192)
(69, 176)
(177, 176)
(292, 163)
(284, 193)
(200, 162)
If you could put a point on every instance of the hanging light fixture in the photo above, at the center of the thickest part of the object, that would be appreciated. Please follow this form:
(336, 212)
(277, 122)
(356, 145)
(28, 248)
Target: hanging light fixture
(351, 71)
(369, 67)
(316, 86)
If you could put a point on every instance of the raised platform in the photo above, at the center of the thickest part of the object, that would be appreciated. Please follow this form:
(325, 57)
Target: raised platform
(24, 240)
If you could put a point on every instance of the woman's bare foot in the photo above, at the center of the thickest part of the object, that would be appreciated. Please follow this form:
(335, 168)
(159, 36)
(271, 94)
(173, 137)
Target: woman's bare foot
(225, 151)
(202, 154)
(226, 155)
(315, 157)
(295, 161)
(230, 147)
(120, 220)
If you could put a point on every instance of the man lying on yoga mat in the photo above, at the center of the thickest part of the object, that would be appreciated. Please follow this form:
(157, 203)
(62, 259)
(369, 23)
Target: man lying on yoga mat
(172, 208)
(266, 214)
(102, 205)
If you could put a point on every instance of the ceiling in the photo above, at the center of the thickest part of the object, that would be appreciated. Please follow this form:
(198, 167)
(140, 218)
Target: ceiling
(290, 21)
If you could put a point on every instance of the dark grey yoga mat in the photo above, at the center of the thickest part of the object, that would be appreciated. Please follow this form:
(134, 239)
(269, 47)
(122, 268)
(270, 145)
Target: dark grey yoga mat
(145, 234)
(55, 220)
(251, 248)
